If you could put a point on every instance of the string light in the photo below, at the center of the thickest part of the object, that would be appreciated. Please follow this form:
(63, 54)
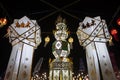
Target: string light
(76, 76)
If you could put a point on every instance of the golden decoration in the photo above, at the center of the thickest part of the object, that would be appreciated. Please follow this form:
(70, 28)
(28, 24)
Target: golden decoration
(70, 40)
(3, 21)
(47, 40)
(60, 20)
(110, 41)
(22, 24)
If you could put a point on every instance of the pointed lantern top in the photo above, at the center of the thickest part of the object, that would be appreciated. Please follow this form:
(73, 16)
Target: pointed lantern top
(61, 23)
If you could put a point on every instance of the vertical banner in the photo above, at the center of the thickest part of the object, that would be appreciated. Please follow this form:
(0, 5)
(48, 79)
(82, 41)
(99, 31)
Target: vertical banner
(105, 62)
(92, 63)
(26, 63)
(12, 68)
(17, 60)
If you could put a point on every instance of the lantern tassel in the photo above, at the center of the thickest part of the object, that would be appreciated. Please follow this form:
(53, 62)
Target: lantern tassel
(110, 41)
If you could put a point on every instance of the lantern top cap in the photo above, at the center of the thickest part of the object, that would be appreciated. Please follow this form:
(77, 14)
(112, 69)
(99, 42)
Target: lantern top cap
(61, 23)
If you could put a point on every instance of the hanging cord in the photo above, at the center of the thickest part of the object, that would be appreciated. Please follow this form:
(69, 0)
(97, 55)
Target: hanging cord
(115, 14)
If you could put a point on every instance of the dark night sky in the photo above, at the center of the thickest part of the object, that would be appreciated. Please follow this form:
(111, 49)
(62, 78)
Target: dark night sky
(38, 10)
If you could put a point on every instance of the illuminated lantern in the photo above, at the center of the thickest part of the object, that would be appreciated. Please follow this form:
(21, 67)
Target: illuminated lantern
(24, 40)
(114, 33)
(3, 21)
(61, 67)
(118, 21)
(93, 35)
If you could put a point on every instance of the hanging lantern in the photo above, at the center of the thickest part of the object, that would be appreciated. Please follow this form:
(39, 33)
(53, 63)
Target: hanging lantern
(71, 41)
(114, 33)
(118, 21)
(3, 21)
(47, 40)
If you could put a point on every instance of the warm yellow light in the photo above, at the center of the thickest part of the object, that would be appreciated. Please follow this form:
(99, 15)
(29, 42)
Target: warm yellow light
(70, 40)
(3, 21)
(80, 78)
(110, 41)
(47, 39)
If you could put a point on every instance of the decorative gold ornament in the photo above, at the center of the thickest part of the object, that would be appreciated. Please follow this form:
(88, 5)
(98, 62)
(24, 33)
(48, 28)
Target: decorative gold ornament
(110, 41)
(23, 24)
(71, 42)
(47, 40)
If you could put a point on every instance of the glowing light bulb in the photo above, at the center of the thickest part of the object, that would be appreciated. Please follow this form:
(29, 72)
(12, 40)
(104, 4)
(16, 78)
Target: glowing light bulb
(3, 21)
(71, 41)
(118, 21)
(47, 40)
(114, 33)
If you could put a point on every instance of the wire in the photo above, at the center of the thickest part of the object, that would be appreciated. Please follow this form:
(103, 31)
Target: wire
(59, 9)
(115, 14)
